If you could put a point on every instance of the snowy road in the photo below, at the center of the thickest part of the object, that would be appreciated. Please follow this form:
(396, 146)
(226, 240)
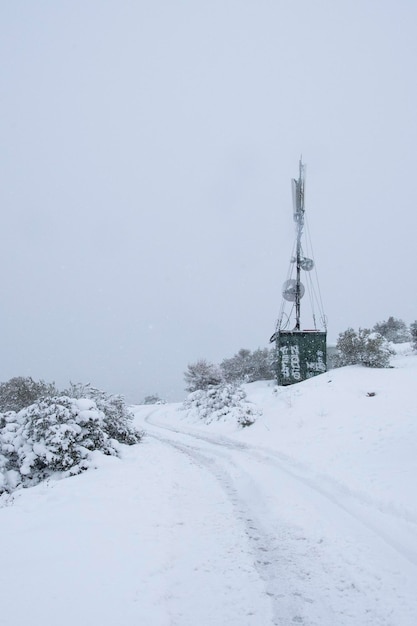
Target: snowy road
(194, 528)
(322, 556)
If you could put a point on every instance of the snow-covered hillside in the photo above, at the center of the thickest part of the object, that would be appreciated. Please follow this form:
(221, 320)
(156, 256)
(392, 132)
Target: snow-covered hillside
(308, 516)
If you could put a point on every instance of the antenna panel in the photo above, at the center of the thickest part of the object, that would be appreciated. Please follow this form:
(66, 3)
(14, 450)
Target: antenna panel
(296, 198)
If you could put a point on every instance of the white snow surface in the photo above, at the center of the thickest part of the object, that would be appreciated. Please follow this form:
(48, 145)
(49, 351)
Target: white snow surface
(309, 516)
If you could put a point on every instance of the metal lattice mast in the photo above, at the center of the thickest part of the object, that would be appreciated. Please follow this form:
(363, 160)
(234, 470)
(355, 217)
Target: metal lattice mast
(298, 203)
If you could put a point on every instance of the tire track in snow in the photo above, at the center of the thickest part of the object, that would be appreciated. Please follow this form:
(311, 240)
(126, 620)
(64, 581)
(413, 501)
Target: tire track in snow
(270, 554)
(338, 582)
(339, 496)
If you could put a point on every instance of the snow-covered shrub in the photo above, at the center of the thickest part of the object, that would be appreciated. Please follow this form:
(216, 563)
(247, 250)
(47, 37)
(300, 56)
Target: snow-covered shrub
(21, 391)
(225, 402)
(413, 331)
(363, 347)
(202, 375)
(153, 399)
(57, 435)
(117, 417)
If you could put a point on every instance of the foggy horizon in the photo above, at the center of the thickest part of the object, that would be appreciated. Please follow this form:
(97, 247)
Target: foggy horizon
(148, 152)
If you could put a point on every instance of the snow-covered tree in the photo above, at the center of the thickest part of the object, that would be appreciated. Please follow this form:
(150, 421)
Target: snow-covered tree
(237, 368)
(202, 375)
(393, 329)
(247, 366)
(263, 364)
(363, 347)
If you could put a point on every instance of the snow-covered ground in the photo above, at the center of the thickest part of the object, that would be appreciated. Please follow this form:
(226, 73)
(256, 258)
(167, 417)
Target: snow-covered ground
(309, 516)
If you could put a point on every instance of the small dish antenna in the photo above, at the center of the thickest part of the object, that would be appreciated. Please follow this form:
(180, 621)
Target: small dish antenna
(306, 264)
(289, 290)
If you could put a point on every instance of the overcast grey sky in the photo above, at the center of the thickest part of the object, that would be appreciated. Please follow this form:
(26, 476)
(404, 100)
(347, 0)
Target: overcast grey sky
(146, 154)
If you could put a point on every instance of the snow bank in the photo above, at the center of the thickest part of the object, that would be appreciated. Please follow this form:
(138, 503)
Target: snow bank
(354, 427)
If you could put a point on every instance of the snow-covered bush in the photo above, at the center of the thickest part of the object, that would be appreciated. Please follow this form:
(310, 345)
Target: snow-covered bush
(413, 331)
(117, 417)
(363, 347)
(202, 375)
(21, 391)
(57, 435)
(153, 399)
(225, 402)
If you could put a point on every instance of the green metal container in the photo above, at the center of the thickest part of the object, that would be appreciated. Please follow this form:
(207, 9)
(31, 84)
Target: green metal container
(300, 355)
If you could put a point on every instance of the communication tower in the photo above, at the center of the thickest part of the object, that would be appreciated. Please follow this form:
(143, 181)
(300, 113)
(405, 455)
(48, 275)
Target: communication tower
(301, 352)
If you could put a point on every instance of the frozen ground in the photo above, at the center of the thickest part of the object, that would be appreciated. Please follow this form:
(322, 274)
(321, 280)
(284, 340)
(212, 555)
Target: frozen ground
(307, 517)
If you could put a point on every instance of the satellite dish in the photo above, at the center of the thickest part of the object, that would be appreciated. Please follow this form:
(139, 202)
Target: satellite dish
(289, 290)
(307, 264)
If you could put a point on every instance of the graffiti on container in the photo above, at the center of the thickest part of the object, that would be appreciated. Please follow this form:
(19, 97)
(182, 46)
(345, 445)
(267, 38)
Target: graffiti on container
(290, 362)
(317, 366)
